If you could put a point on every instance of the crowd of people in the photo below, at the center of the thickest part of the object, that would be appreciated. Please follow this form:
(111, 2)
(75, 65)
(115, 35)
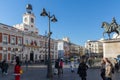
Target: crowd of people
(58, 67)
(107, 68)
(4, 66)
(82, 68)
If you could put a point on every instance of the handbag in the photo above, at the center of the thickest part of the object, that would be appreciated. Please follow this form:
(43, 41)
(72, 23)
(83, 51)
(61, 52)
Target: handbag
(55, 71)
(21, 71)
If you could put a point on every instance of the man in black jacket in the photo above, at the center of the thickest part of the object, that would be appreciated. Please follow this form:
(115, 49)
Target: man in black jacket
(82, 70)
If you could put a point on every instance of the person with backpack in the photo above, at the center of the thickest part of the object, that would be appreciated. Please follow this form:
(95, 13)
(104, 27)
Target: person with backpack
(109, 70)
(82, 70)
(116, 65)
(61, 66)
(56, 66)
(4, 67)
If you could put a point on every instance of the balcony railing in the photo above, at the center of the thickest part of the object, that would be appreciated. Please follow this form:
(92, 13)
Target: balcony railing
(20, 45)
(12, 43)
(5, 42)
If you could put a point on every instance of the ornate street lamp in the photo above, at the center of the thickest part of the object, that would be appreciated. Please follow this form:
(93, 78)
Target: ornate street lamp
(52, 19)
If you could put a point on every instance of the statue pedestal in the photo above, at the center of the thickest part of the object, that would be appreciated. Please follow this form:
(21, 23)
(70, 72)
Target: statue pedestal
(111, 48)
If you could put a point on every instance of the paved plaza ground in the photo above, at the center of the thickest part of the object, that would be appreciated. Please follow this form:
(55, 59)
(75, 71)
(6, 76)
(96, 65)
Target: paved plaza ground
(38, 72)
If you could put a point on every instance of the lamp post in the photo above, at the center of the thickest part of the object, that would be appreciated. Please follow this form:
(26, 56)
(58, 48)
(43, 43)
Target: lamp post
(79, 53)
(45, 48)
(53, 19)
(22, 43)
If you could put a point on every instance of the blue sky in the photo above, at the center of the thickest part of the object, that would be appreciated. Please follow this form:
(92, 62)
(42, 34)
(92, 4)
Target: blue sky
(80, 20)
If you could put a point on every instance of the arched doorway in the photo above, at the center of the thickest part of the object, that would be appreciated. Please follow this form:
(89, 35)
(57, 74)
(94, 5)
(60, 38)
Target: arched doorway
(31, 56)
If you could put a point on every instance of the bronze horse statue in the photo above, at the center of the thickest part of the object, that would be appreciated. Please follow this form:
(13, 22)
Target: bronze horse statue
(108, 29)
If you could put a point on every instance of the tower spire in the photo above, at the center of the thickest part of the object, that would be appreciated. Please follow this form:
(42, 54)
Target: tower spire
(29, 8)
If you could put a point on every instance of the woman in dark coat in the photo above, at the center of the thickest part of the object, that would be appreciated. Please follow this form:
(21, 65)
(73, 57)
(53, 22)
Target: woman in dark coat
(102, 69)
(4, 67)
(56, 66)
(82, 70)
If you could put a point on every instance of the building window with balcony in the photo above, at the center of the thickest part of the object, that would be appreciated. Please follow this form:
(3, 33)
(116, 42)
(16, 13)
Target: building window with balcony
(5, 39)
(13, 40)
(26, 42)
(19, 41)
(32, 42)
(4, 49)
(40, 43)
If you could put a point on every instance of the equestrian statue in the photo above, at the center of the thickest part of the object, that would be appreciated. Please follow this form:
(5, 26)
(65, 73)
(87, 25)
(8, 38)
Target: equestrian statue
(110, 28)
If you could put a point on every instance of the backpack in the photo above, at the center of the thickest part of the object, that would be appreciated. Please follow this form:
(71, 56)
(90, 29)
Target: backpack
(112, 69)
(61, 64)
(83, 66)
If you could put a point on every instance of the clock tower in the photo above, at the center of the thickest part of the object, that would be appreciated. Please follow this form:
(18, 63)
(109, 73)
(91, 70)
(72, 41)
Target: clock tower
(28, 24)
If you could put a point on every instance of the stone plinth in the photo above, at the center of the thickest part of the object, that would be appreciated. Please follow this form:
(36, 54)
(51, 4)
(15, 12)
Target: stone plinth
(111, 48)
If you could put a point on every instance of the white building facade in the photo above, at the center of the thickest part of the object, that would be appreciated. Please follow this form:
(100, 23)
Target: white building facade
(11, 42)
(94, 48)
(66, 49)
(24, 41)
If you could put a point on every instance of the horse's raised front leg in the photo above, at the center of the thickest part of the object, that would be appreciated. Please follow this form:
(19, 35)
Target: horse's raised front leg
(118, 32)
(117, 35)
(104, 34)
(109, 35)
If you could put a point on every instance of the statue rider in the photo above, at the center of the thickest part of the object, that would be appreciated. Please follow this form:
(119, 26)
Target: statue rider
(114, 24)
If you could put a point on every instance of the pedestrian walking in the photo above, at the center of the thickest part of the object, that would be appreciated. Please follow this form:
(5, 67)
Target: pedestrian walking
(61, 66)
(17, 69)
(90, 62)
(56, 66)
(116, 65)
(102, 69)
(108, 69)
(26, 64)
(82, 70)
(4, 67)
(0, 66)
(72, 65)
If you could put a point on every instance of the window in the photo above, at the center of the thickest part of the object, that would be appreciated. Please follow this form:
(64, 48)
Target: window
(19, 41)
(13, 40)
(4, 49)
(39, 43)
(5, 39)
(31, 25)
(25, 19)
(32, 20)
(26, 41)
